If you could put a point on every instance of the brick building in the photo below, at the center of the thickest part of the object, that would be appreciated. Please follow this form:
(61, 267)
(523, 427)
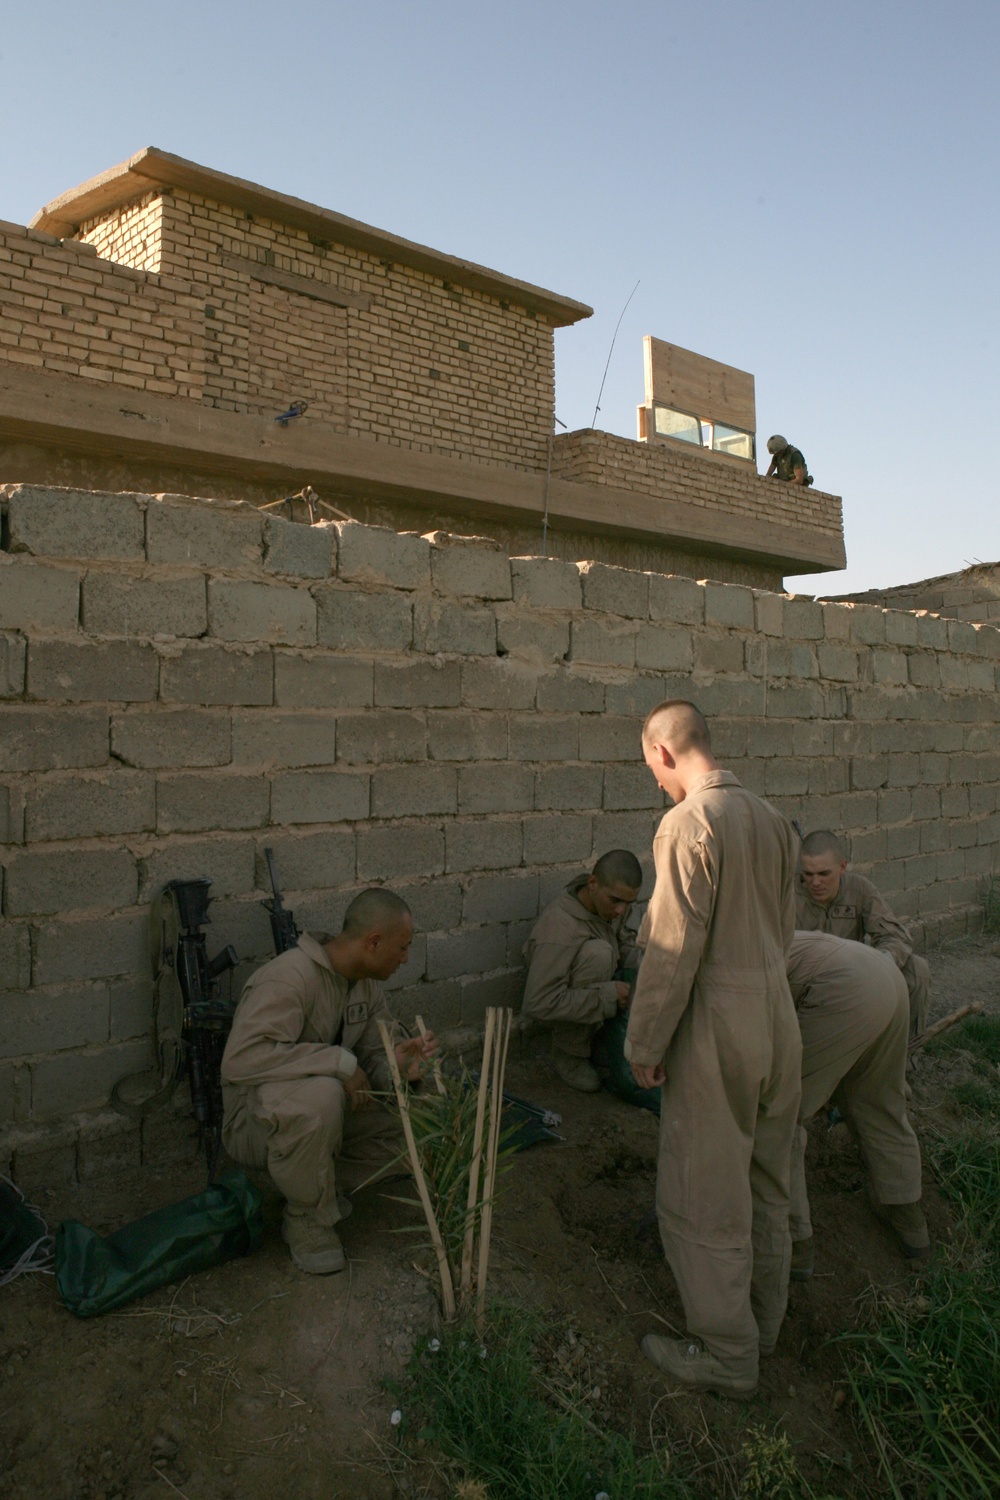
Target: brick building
(155, 320)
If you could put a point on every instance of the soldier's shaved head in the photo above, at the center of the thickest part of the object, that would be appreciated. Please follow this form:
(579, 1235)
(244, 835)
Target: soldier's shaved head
(619, 867)
(822, 842)
(679, 724)
(374, 910)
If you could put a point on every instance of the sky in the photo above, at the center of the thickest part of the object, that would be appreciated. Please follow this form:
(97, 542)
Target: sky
(806, 191)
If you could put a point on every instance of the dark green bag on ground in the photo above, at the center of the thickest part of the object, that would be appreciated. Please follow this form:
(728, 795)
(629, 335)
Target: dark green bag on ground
(609, 1058)
(95, 1274)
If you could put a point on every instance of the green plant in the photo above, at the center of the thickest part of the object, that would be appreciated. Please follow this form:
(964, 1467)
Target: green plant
(979, 1035)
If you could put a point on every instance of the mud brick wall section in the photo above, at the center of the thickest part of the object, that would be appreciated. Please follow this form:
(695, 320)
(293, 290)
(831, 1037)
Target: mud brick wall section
(184, 682)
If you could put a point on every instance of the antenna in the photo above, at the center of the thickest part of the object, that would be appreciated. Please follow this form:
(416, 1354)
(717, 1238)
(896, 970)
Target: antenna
(612, 350)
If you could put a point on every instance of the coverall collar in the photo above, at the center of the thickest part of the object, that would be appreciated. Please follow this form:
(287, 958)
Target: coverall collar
(312, 945)
(713, 778)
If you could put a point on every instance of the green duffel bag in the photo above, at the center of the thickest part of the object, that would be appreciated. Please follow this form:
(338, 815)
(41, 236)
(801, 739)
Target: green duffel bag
(610, 1061)
(96, 1273)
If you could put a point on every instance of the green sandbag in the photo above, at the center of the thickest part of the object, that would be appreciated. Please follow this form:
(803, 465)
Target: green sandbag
(95, 1274)
(609, 1057)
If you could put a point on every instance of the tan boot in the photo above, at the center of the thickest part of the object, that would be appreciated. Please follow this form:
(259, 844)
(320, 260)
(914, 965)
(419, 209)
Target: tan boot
(577, 1072)
(690, 1365)
(803, 1260)
(313, 1247)
(907, 1222)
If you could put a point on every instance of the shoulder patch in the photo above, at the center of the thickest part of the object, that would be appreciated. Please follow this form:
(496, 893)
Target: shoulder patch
(357, 1013)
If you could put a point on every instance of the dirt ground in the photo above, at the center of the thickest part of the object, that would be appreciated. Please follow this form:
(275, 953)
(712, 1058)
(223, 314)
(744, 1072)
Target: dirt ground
(254, 1380)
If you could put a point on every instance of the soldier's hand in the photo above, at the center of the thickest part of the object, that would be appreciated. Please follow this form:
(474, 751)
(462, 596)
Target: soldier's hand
(358, 1089)
(648, 1078)
(413, 1054)
(623, 990)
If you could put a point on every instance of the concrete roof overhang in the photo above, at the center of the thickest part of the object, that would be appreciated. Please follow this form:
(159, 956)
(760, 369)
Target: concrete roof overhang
(151, 169)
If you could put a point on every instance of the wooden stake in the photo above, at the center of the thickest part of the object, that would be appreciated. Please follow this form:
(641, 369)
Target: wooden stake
(447, 1287)
(435, 1064)
(496, 1111)
(945, 1024)
(465, 1285)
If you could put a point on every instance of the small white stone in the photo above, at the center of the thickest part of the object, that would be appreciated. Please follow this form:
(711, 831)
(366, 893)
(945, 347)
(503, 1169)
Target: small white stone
(396, 1418)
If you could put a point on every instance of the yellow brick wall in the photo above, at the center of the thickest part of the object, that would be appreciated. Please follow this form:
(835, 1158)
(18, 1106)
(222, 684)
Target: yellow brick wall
(131, 235)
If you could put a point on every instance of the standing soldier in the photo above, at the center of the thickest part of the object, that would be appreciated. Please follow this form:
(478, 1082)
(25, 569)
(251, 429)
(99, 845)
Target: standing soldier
(713, 1022)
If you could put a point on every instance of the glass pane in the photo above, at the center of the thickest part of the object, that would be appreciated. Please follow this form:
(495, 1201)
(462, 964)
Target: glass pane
(677, 424)
(733, 440)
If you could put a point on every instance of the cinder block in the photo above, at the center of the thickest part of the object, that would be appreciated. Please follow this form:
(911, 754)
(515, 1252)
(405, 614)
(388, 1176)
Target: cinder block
(605, 738)
(228, 862)
(400, 851)
(837, 622)
(319, 797)
(92, 671)
(466, 736)
(378, 556)
(299, 551)
(827, 775)
(42, 881)
(501, 898)
(789, 659)
(121, 604)
(352, 621)
(903, 842)
(154, 738)
(471, 567)
(94, 806)
(75, 523)
(481, 991)
(36, 597)
(769, 614)
(537, 737)
(770, 738)
(12, 658)
(982, 676)
(15, 956)
(385, 735)
(889, 666)
(91, 948)
(490, 845)
(616, 591)
(729, 739)
(195, 801)
(718, 654)
(786, 778)
(604, 643)
(439, 1005)
(532, 638)
(925, 802)
(954, 802)
(673, 597)
(962, 637)
(7, 834)
(436, 905)
(495, 788)
(418, 684)
(573, 787)
(570, 692)
(545, 583)
(204, 533)
(243, 922)
(262, 738)
(869, 771)
(839, 663)
(867, 624)
(934, 837)
(728, 698)
(50, 1022)
(46, 739)
(307, 861)
(625, 830)
(72, 1081)
(728, 604)
(900, 629)
(503, 684)
(803, 619)
(413, 791)
(131, 1007)
(469, 951)
(321, 681)
(627, 787)
(932, 631)
(637, 695)
(923, 669)
(459, 630)
(216, 675)
(556, 838)
(954, 672)
(663, 648)
(239, 610)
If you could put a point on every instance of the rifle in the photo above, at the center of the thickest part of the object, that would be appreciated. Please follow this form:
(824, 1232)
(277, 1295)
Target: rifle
(283, 928)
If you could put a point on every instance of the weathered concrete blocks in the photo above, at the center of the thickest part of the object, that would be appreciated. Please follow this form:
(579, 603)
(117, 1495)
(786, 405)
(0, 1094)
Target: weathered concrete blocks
(227, 861)
(471, 950)
(568, 787)
(607, 738)
(962, 637)
(466, 736)
(90, 806)
(436, 905)
(837, 622)
(239, 610)
(439, 1004)
(400, 851)
(932, 631)
(262, 738)
(769, 614)
(204, 533)
(839, 663)
(545, 583)
(536, 737)
(414, 791)
(672, 597)
(72, 1081)
(496, 788)
(92, 671)
(627, 787)
(803, 619)
(555, 838)
(867, 624)
(722, 653)
(216, 675)
(663, 648)
(729, 604)
(36, 597)
(12, 660)
(7, 833)
(162, 737)
(319, 797)
(889, 666)
(923, 669)
(603, 643)
(615, 591)
(131, 1009)
(48, 739)
(570, 692)
(353, 621)
(44, 881)
(471, 567)
(385, 735)
(900, 628)
(532, 638)
(195, 801)
(91, 948)
(482, 845)
(380, 557)
(456, 629)
(480, 992)
(123, 604)
(503, 684)
(44, 1021)
(637, 695)
(321, 681)
(297, 550)
(418, 684)
(500, 898)
(624, 830)
(307, 861)
(15, 956)
(76, 523)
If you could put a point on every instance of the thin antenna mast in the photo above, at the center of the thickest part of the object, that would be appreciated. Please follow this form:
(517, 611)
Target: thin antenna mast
(612, 350)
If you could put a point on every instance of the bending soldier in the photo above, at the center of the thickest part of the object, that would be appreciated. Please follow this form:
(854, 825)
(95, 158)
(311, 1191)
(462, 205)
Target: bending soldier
(301, 1061)
(575, 949)
(831, 898)
(787, 462)
(854, 1017)
(712, 1020)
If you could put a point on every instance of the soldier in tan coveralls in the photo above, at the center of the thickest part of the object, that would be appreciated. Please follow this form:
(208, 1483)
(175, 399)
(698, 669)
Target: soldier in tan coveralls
(301, 1061)
(713, 1022)
(854, 1017)
(575, 948)
(831, 898)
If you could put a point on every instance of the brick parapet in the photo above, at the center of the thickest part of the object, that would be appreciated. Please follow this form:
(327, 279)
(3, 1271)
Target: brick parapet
(421, 711)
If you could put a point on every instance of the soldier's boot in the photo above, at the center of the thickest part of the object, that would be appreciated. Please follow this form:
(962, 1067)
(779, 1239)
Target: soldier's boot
(689, 1364)
(576, 1071)
(803, 1260)
(907, 1222)
(313, 1247)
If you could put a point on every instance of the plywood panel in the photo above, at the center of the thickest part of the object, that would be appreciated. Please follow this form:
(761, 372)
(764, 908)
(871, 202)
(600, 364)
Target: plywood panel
(704, 387)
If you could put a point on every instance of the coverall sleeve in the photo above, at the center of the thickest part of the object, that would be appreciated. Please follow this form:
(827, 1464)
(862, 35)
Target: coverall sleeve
(547, 992)
(679, 917)
(264, 1046)
(884, 930)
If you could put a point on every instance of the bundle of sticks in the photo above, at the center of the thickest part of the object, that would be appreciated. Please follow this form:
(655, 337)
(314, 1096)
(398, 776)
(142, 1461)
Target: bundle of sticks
(945, 1024)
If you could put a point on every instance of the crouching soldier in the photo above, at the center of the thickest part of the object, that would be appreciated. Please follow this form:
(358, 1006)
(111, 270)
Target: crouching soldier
(853, 1014)
(576, 947)
(300, 1065)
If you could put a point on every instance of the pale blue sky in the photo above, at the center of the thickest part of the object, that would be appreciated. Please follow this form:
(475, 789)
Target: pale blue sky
(806, 191)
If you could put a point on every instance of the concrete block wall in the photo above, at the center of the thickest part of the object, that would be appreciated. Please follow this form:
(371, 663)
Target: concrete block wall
(186, 682)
